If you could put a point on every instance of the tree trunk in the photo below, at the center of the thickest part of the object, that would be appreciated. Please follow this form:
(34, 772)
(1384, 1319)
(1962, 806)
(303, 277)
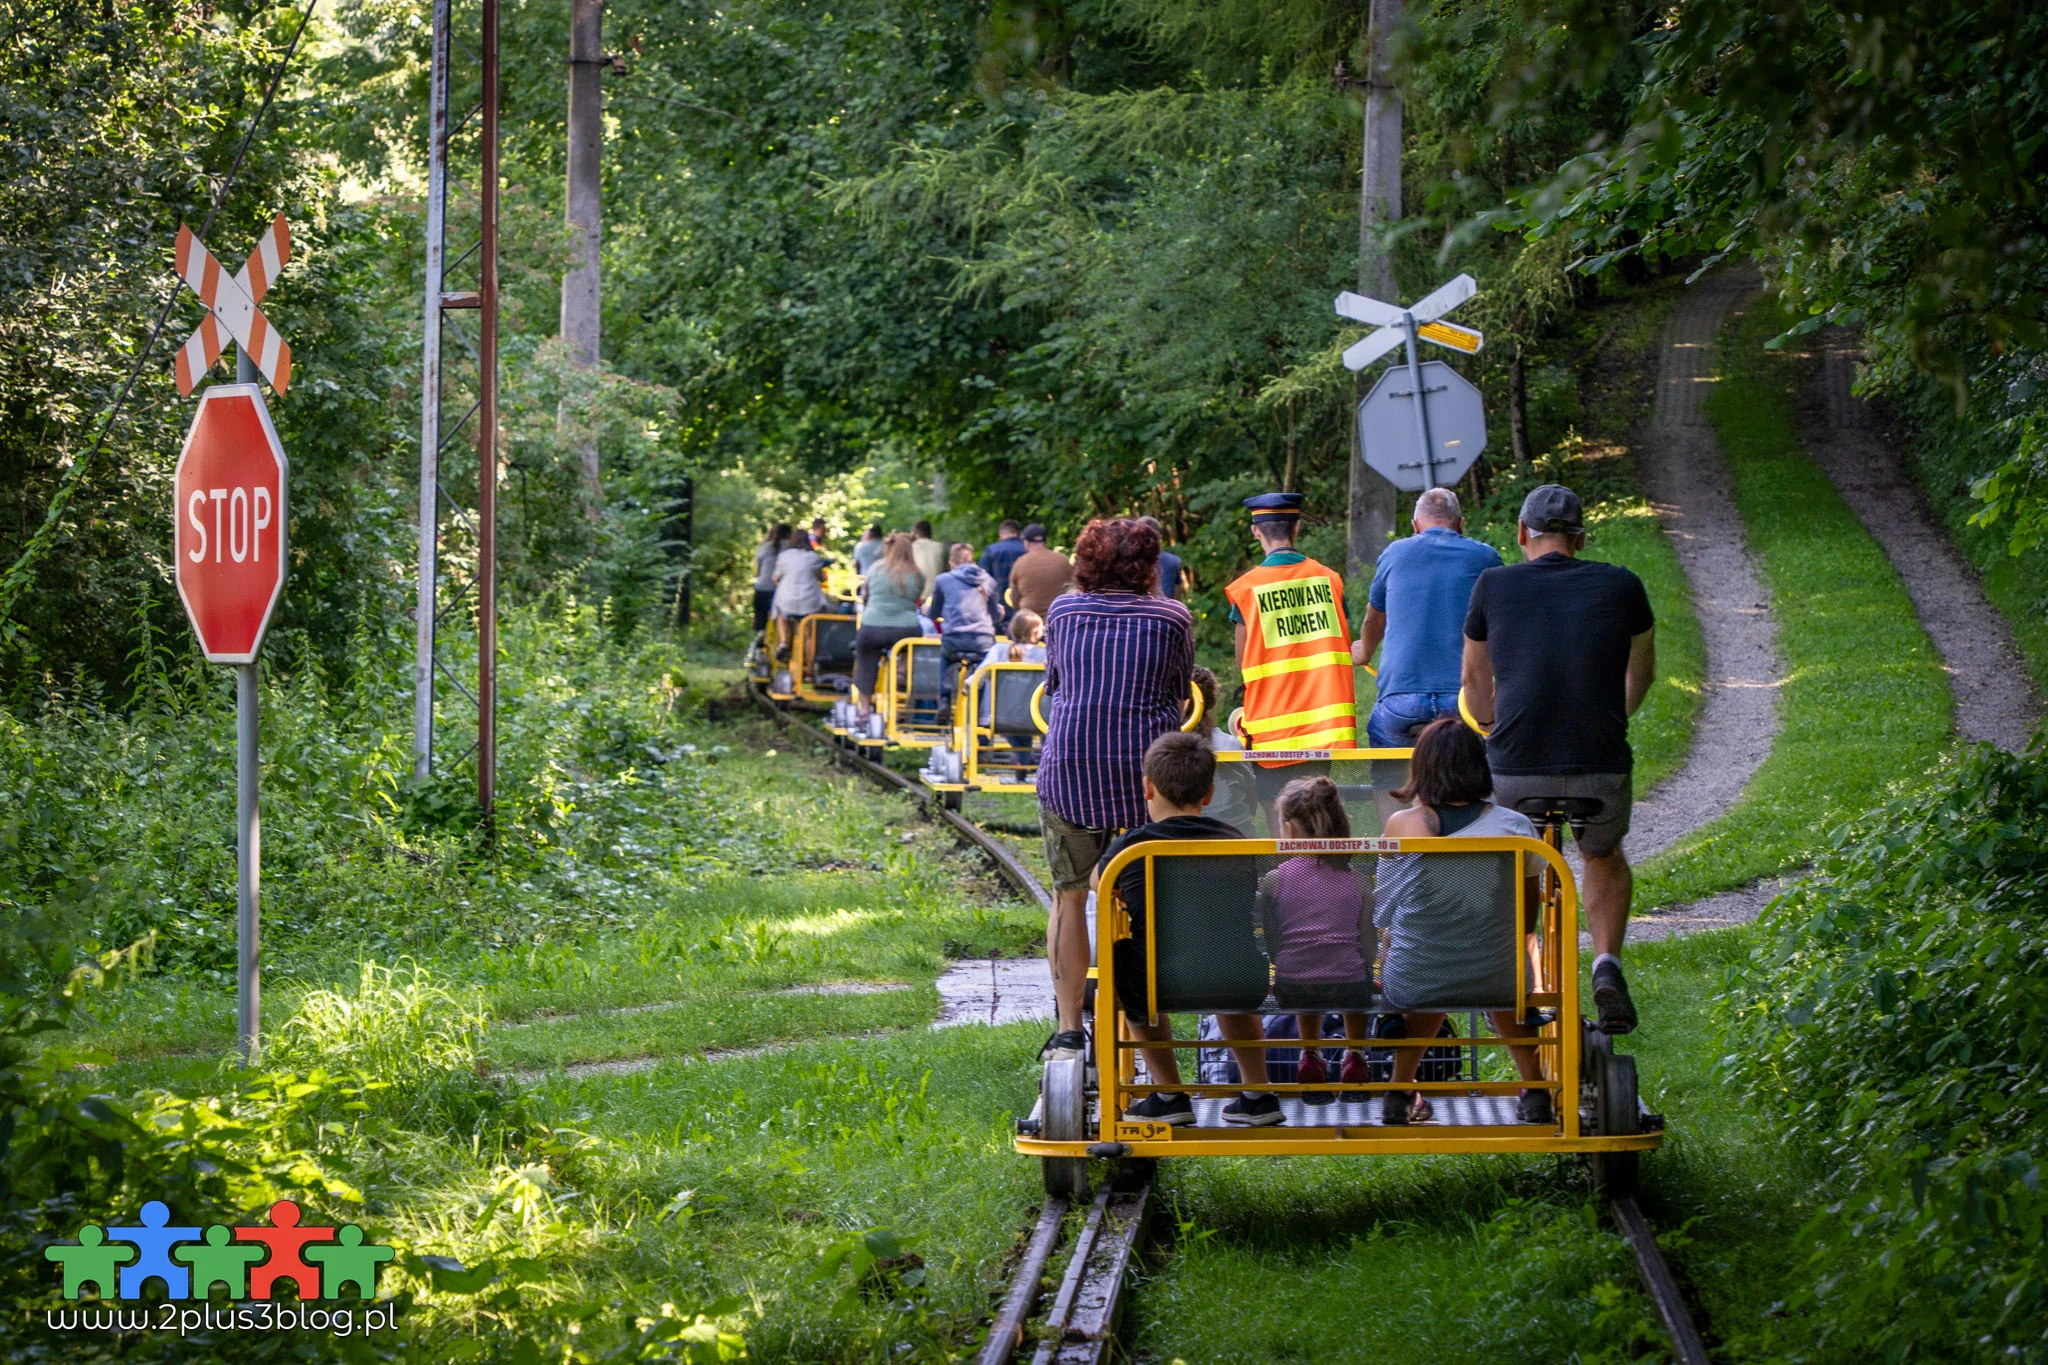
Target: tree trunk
(580, 283)
(1518, 411)
(1371, 519)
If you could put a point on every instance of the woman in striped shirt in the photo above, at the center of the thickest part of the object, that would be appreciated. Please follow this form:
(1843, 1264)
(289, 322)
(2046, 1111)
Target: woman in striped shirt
(1118, 661)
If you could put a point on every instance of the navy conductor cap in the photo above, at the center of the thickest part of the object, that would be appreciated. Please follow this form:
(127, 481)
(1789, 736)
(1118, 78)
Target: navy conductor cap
(1275, 507)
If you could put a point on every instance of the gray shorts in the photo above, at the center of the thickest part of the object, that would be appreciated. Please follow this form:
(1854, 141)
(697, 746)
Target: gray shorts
(1072, 850)
(1604, 832)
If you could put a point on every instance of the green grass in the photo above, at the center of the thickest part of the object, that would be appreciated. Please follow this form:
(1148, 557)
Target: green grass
(1865, 705)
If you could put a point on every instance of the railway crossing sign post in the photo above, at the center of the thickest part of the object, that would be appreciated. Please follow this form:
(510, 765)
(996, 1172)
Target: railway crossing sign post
(1423, 424)
(231, 491)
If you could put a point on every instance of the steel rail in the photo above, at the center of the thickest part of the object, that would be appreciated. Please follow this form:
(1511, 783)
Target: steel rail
(1658, 1281)
(1008, 863)
(1082, 1322)
(1006, 1333)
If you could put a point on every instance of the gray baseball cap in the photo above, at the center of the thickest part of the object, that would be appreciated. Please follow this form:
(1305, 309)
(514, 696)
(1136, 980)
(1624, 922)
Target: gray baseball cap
(1553, 509)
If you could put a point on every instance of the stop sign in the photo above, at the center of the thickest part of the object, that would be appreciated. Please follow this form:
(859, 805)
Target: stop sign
(229, 511)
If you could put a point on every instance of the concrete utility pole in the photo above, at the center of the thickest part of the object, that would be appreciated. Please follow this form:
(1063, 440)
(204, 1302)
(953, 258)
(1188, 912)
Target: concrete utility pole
(580, 293)
(1372, 510)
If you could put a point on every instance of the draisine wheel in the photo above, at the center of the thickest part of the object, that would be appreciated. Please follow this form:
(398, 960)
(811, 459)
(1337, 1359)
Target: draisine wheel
(1611, 1109)
(1064, 1085)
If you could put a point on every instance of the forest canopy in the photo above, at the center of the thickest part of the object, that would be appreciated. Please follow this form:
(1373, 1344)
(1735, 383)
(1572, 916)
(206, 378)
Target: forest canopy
(1063, 259)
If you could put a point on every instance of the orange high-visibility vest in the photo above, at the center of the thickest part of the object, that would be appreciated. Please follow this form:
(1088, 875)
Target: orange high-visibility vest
(1297, 658)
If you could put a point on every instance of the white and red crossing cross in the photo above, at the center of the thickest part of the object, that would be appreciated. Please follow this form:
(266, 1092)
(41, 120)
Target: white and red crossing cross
(231, 301)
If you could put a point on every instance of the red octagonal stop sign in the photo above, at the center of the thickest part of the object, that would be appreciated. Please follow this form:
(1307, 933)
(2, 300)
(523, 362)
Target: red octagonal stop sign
(230, 519)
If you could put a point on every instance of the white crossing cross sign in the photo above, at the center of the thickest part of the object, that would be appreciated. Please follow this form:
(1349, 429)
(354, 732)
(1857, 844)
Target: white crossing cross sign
(1422, 426)
(1394, 322)
(231, 302)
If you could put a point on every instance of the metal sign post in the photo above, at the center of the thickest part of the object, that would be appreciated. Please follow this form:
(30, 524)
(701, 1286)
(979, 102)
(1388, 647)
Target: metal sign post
(248, 838)
(1421, 402)
(230, 501)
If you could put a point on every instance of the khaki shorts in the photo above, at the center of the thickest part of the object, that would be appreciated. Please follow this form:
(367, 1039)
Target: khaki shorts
(1072, 850)
(1615, 790)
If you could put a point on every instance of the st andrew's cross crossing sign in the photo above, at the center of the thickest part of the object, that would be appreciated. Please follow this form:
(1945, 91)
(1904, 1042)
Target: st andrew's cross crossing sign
(1423, 425)
(231, 482)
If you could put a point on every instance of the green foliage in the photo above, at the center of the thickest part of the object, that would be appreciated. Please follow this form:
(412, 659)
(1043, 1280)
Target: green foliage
(1948, 453)
(1885, 159)
(1894, 1019)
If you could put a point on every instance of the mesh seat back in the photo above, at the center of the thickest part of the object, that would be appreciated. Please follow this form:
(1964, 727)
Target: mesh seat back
(1246, 790)
(1449, 921)
(924, 672)
(1013, 689)
(1205, 925)
(832, 645)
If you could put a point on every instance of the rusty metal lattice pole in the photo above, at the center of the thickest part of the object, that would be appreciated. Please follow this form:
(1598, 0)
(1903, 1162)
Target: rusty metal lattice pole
(442, 305)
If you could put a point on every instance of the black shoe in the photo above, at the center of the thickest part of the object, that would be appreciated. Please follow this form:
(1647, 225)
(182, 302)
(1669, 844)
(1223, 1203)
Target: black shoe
(1610, 995)
(1254, 1111)
(1064, 1046)
(1534, 1107)
(1394, 1108)
(1173, 1109)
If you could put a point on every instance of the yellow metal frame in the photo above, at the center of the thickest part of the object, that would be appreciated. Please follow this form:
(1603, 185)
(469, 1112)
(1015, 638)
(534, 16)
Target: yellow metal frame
(1308, 755)
(959, 729)
(799, 659)
(1557, 1042)
(1193, 721)
(893, 695)
(978, 735)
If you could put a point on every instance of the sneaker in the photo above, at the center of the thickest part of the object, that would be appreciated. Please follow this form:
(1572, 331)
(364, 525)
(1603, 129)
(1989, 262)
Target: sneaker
(1534, 1107)
(1064, 1046)
(1610, 995)
(1312, 1072)
(1394, 1108)
(1173, 1109)
(1357, 1071)
(1254, 1111)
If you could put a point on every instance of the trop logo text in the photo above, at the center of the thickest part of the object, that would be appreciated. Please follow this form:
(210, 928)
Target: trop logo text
(319, 1263)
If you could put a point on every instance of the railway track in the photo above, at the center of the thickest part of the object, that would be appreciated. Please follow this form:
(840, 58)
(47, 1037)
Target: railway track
(1080, 1323)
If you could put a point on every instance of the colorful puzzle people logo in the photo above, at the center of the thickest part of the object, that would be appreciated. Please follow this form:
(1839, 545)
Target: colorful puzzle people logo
(249, 1262)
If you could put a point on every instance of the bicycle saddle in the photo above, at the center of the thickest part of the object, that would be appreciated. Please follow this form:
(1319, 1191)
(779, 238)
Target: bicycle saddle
(1559, 810)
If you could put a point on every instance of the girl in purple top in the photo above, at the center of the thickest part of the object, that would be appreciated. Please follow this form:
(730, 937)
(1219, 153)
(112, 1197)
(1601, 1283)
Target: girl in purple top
(1319, 929)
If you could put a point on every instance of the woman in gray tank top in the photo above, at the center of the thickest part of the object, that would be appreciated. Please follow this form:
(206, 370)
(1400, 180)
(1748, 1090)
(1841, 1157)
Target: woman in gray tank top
(1449, 923)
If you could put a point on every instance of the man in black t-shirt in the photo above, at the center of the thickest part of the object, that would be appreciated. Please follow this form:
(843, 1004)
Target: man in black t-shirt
(1180, 777)
(1559, 653)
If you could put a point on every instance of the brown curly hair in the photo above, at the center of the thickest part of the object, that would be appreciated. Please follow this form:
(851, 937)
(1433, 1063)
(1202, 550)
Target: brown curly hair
(1121, 555)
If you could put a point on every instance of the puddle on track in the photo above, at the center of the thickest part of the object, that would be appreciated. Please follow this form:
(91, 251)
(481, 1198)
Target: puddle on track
(994, 990)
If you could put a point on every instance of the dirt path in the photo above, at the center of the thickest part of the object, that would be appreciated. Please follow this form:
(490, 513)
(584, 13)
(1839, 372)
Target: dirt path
(1995, 700)
(1689, 487)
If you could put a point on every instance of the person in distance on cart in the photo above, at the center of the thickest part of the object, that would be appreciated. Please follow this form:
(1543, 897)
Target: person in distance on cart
(1415, 617)
(1559, 653)
(1180, 774)
(1293, 646)
(963, 604)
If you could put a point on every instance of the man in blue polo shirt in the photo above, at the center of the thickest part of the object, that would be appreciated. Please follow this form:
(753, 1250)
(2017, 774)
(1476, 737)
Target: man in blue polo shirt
(1420, 593)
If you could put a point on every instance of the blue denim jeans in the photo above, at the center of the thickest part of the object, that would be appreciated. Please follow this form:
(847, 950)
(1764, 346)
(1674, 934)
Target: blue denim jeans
(1398, 717)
